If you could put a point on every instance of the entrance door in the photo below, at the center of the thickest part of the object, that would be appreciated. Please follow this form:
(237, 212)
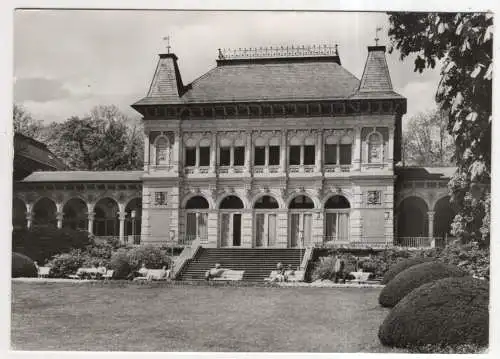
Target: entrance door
(265, 229)
(236, 229)
(230, 230)
(300, 229)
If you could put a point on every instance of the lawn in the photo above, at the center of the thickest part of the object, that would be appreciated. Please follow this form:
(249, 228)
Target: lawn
(131, 317)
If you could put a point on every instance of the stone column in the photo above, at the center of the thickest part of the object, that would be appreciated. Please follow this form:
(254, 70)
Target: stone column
(302, 154)
(283, 149)
(146, 151)
(213, 153)
(177, 152)
(29, 219)
(248, 151)
(266, 155)
(197, 161)
(121, 217)
(212, 229)
(430, 215)
(357, 150)
(319, 152)
(59, 217)
(90, 226)
(390, 157)
(246, 229)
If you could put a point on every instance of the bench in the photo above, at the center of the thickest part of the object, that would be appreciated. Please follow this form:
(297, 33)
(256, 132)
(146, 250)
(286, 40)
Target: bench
(297, 276)
(230, 275)
(43, 272)
(360, 277)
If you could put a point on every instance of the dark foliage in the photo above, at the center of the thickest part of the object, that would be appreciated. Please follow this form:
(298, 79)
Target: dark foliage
(413, 277)
(42, 243)
(23, 266)
(401, 266)
(126, 261)
(449, 311)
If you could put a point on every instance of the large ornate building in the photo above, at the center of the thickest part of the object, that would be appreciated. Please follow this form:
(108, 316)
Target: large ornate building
(278, 147)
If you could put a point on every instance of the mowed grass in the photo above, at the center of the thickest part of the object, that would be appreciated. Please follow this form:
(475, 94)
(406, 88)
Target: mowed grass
(130, 317)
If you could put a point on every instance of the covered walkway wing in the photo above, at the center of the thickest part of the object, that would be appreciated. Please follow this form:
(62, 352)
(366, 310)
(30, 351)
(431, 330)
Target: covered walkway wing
(106, 203)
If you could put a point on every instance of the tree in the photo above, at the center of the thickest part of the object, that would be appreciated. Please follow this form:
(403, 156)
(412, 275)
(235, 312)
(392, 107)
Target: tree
(104, 140)
(463, 42)
(25, 124)
(426, 141)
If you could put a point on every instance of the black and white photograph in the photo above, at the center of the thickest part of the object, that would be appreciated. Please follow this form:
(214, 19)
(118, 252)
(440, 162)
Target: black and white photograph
(232, 181)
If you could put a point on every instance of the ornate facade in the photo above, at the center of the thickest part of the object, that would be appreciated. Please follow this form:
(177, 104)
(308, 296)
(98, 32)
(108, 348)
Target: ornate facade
(262, 151)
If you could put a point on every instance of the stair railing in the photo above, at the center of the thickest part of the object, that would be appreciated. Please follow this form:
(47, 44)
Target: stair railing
(187, 253)
(306, 258)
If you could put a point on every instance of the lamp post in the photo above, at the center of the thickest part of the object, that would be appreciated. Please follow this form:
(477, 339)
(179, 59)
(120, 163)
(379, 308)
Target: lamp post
(301, 237)
(132, 214)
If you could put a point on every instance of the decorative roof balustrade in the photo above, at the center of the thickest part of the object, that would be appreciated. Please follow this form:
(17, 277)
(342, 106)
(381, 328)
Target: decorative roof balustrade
(278, 51)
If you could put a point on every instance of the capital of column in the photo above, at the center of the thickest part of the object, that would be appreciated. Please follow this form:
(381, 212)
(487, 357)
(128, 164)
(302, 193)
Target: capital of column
(122, 216)
(91, 216)
(430, 214)
(59, 216)
(29, 216)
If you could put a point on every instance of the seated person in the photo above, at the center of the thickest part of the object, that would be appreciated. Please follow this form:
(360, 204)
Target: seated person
(281, 276)
(143, 271)
(214, 272)
(162, 274)
(101, 271)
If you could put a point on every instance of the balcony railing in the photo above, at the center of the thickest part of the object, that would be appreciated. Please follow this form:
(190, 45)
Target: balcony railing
(231, 169)
(196, 170)
(160, 168)
(337, 168)
(263, 170)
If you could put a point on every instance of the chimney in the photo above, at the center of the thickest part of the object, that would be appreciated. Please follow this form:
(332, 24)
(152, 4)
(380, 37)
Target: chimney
(376, 76)
(167, 80)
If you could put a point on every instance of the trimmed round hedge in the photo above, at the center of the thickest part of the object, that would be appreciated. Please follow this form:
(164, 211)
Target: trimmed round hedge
(23, 266)
(400, 266)
(449, 311)
(413, 277)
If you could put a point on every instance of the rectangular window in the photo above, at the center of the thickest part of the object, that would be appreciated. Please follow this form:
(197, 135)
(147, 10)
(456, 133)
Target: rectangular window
(345, 154)
(205, 156)
(274, 155)
(330, 154)
(309, 155)
(190, 156)
(294, 155)
(160, 198)
(239, 156)
(224, 156)
(259, 156)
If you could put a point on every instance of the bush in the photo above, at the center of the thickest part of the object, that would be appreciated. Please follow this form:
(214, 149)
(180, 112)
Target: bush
(125, 261)
(450, 311)
(42, 243)
(119, 263)
(401, 265)
(470, 257)
(23, 266)
(64, 264)
(413, 277)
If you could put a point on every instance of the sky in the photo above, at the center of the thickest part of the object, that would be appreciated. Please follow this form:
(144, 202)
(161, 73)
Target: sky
(68, 61)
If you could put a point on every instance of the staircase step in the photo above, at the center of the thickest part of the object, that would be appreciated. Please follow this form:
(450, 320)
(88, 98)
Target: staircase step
(256, 262)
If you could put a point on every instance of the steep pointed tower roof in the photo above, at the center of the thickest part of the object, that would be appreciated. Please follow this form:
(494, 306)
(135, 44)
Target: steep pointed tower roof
(167, 82)
(376, 80)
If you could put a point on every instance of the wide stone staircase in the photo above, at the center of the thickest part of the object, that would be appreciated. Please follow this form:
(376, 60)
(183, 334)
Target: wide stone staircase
(257, 263)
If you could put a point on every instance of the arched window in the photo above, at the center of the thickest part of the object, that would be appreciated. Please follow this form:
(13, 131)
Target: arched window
(375, 154)
(337, 219)
(162, 151)
(197, 218)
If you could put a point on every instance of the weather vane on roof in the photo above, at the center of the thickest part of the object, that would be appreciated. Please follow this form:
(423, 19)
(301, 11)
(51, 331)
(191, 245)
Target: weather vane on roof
(378, 28)
(167, 40)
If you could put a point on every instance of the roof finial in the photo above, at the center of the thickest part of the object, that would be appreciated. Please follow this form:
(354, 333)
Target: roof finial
(377, 29)
(167, 40)
(336, 49)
